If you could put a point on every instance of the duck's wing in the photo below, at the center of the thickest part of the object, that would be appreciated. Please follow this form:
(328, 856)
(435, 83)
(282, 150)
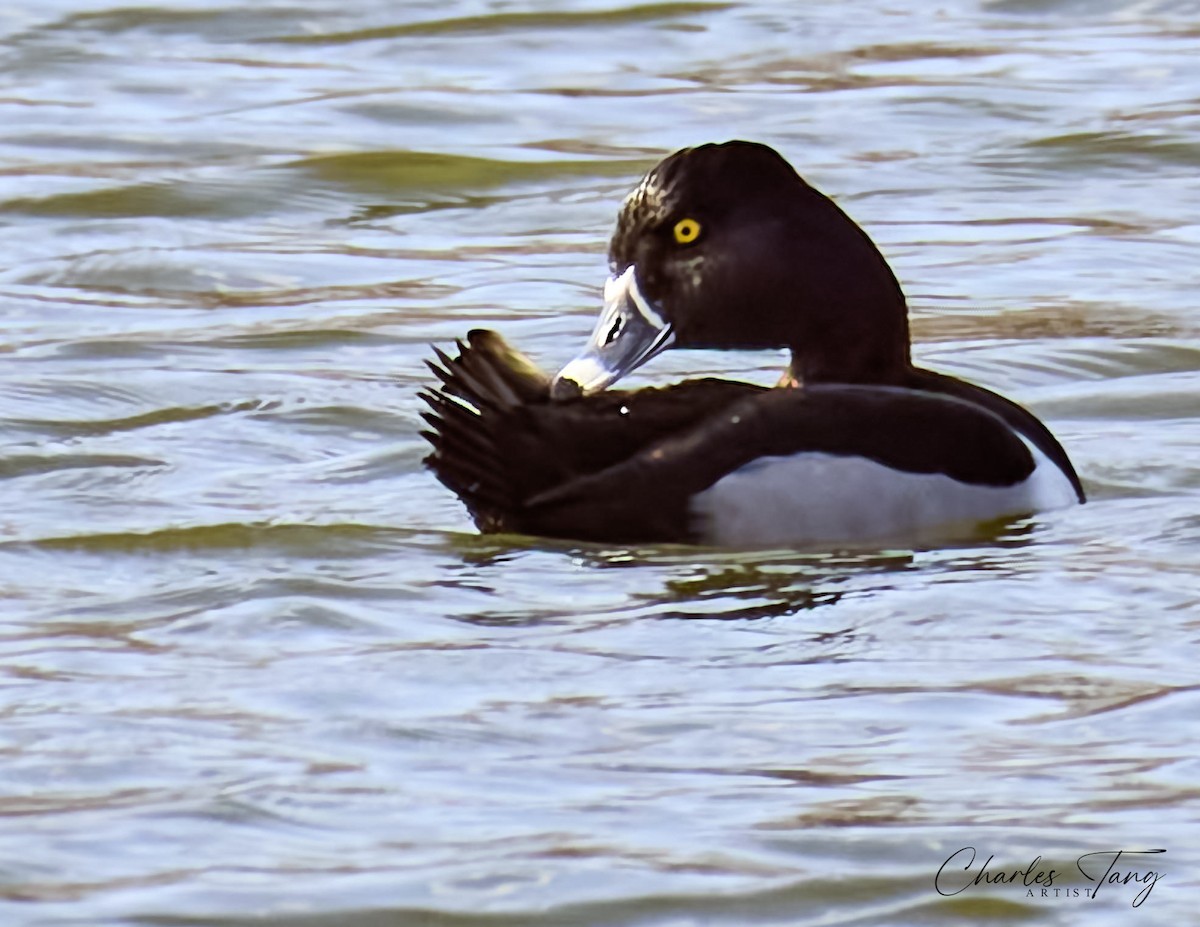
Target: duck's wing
(499, 440)
(1015, 415)
(649, 495)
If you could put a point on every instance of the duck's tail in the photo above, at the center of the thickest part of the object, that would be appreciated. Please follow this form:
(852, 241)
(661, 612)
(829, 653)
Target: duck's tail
(480, 389)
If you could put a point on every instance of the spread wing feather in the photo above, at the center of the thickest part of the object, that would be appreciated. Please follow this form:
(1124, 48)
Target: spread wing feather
(499, 440)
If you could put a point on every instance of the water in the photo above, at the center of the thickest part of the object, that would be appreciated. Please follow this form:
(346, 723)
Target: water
(257, 668)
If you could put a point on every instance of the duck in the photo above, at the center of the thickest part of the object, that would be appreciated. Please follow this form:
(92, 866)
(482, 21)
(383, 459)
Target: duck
(726, 246)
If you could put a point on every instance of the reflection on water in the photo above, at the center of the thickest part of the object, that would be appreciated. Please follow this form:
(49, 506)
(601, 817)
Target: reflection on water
(257, 667)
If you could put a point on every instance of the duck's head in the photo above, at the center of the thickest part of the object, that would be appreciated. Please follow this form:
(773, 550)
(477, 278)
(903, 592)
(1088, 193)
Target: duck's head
(725, 246)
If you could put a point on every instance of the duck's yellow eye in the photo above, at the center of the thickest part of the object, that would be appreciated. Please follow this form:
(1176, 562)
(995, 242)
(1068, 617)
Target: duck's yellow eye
(687, 231)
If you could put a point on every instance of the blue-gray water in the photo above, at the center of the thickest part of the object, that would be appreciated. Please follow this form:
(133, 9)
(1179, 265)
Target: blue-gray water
(258, 669)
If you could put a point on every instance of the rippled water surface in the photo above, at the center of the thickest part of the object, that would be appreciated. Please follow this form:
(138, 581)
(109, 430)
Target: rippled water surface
(257, 666)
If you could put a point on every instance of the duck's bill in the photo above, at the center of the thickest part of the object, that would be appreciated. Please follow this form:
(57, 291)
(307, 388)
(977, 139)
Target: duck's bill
(629, 332)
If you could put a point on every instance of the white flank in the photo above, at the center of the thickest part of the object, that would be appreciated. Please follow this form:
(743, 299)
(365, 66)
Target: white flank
(811, 497)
